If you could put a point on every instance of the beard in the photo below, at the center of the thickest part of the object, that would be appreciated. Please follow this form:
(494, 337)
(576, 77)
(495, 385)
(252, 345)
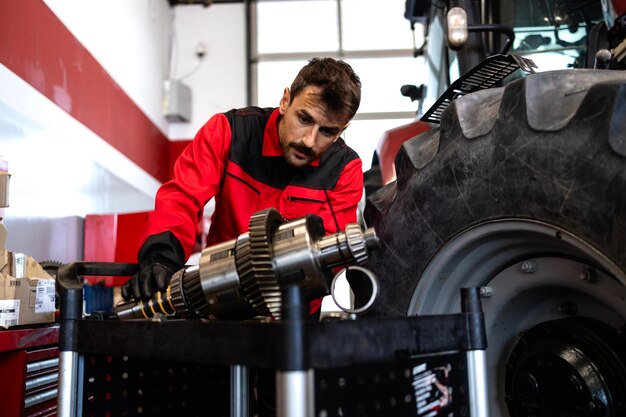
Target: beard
(293, 151)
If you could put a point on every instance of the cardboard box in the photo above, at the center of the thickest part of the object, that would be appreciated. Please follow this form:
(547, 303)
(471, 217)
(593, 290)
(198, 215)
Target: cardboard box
(27, 300)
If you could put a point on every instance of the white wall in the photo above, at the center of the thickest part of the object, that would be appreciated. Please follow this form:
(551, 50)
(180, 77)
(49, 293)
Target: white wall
(219, 81)
(131, 40)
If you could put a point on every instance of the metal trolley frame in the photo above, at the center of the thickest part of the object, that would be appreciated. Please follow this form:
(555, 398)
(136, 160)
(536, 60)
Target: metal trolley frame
(406, 366)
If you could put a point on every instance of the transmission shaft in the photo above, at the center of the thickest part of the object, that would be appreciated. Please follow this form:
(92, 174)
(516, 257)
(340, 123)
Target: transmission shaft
(242, 278)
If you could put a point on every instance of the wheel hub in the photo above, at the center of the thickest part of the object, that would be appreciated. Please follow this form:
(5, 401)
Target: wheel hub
(529, 273)
(572, 367)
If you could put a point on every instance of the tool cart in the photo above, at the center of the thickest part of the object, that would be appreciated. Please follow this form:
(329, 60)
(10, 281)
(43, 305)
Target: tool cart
(409, 366)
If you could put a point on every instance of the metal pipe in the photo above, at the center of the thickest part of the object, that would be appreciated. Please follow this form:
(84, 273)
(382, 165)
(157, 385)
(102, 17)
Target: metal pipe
(294, 393)
(68, 384)
(503, 29)
(477, 380)
(239, 391)
(294, 378)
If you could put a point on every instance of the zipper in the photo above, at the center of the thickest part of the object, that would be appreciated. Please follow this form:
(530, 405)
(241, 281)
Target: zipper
(305, 200)
(244, 182)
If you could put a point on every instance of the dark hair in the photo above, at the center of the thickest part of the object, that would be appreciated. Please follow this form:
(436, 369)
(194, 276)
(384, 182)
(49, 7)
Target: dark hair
(341, 87)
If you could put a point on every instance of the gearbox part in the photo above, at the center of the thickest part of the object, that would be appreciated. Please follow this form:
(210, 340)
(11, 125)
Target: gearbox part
(373, 294)
(242, 278)
(258, 280)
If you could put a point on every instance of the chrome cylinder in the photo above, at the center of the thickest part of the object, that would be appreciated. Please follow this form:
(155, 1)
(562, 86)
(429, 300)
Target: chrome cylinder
(239, 391)
(68, 384)
(296, 257)
(477, 381)
(218, 272)
(351, 246)
(295, 395)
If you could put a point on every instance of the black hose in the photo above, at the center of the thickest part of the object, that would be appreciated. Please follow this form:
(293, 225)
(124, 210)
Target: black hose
(492, 27)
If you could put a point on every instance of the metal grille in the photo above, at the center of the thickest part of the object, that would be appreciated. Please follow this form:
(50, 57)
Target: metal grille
(123, 386)
(434, 385)
(485, 75)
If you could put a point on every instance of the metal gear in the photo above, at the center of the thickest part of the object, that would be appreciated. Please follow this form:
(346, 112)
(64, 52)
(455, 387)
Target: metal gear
(245, 269)
(51, 267)
(354, 237)
(254, 264)
(192, 288)
(176, 296)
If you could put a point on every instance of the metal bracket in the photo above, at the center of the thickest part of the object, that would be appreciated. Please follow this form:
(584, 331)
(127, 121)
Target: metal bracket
(483, 76)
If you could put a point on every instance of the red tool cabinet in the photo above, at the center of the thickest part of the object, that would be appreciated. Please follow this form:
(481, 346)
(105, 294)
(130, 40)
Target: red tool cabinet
(29, 371)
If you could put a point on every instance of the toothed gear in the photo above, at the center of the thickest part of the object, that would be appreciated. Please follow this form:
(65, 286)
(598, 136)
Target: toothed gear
(246, 272)
(51, 267)
(177, 298)
(356, 243)
(194, 295)
(255, 267)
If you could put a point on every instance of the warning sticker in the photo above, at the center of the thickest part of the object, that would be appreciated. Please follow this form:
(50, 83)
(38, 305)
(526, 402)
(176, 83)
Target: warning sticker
(9, 312)
(44, 302)
(433, 393)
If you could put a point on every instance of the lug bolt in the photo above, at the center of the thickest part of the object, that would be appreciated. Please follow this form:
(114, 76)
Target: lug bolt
(528, 266)
(486, 292)
(592, 407)
(588, 275)
(569, 308)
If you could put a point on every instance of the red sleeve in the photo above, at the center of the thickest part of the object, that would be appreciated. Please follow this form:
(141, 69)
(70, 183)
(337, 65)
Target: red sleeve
(346, 196)
(198, 173)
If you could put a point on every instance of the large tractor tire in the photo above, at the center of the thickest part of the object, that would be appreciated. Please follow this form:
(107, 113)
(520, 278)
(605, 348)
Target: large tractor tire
(521, 191)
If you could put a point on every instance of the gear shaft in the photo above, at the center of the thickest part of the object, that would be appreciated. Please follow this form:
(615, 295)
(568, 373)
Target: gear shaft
(242, 278)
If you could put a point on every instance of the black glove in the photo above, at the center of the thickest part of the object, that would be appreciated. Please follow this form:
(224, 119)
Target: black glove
(150, 279)
(159, 257)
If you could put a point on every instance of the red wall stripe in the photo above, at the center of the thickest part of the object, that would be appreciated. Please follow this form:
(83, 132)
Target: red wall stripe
(38, 48)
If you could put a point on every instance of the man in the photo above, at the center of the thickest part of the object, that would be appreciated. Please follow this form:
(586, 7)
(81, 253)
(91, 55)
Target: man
(290, 158)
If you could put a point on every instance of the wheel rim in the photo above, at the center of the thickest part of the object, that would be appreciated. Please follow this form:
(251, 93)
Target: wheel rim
(529, 272)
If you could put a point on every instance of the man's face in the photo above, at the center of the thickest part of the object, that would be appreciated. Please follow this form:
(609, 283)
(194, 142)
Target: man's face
(306, 130)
